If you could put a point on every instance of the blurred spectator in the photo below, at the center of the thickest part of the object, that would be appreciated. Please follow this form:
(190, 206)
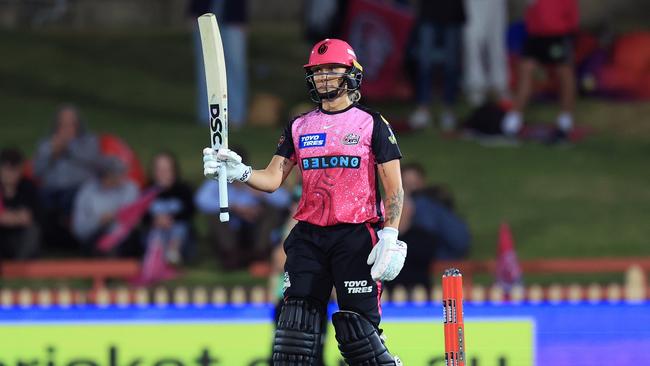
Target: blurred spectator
(169, 219)
(253, 217)
(434, 212)
(63, 162)
(232, 16)
(97, 204)
(438, 36)
(323, 19)
(19, 231)
(422, 247)
(550, 25)
(485, 40)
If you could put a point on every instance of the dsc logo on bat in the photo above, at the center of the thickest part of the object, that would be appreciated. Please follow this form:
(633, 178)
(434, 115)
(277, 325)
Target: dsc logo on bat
(216, 126)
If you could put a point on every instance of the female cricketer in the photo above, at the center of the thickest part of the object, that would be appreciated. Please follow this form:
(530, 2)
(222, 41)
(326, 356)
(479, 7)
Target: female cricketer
(346, 235)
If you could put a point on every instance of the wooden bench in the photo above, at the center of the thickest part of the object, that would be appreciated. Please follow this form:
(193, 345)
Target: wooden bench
(559, 265)
(99, 270)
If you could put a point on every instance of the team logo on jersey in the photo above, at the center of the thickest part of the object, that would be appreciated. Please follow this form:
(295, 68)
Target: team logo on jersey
(351, 139)
(281, 140)
(334, 161)
(312, 140)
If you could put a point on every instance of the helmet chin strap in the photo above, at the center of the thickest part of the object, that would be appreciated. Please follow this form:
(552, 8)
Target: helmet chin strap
(337, 92)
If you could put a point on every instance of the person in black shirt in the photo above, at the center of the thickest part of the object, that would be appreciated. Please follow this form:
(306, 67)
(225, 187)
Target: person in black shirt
(19, 232)
(169, 219)
(344, 238)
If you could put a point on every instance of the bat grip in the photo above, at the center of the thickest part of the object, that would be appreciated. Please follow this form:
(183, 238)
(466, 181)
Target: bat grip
(224, 216)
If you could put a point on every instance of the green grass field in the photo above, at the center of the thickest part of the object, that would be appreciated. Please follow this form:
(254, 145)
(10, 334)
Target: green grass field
(590, 200)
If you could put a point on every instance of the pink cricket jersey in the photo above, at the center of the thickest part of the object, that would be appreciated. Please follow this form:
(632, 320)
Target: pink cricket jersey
(338, 153)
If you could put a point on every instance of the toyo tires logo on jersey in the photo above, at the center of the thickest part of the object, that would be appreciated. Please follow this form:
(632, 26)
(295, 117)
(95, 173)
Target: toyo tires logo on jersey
(312, 140)
(216, 126)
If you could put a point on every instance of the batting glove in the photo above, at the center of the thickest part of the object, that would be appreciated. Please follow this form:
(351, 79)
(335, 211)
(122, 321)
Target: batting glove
(387, 257)
(235, 169)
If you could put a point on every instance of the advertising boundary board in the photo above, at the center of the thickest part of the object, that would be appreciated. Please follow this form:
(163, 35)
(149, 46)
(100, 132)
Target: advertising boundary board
(547, 333)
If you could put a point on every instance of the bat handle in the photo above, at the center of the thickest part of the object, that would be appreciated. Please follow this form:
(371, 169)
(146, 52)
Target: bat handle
(224, 216)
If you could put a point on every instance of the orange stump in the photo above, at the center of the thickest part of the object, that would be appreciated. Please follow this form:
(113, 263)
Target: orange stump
(452, 304)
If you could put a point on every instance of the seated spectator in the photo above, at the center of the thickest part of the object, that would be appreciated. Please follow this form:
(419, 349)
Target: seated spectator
(19, 231)
(64, 161)
(434, 212)
(253, 217)
(97, 204)
(169, 219)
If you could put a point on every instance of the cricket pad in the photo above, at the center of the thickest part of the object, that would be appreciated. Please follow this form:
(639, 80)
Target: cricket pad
(359, 341)
(298, 334)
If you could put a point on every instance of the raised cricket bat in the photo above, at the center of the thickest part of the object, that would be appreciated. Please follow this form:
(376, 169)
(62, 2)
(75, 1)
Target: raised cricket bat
(215, 76)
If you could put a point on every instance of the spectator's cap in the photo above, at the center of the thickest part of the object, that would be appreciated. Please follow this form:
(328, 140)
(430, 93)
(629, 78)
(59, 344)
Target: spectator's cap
(11, 156)
(110, 165)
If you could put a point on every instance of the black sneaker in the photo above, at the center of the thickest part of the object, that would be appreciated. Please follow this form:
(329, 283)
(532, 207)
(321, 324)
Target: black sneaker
(558, 137)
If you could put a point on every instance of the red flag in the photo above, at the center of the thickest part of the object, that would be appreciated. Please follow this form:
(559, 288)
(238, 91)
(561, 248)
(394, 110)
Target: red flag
(508, 272)
(126, 219)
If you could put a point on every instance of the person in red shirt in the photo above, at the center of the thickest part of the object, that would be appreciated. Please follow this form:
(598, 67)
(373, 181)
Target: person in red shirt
(550, 25)
(343, 237)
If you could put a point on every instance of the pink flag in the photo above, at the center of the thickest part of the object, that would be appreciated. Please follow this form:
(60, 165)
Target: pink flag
(508, 272)
(154, 265)
(126, 219)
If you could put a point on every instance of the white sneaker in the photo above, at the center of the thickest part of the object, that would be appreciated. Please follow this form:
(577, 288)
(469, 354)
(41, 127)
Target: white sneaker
(420, 119)
(565, 121)
(511, 123)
